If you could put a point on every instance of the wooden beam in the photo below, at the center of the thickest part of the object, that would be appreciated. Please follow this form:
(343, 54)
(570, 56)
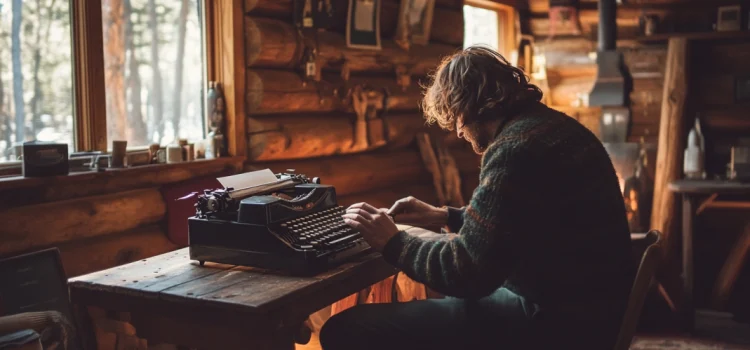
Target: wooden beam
(226, 47)
(358, 172)
(298, 136)
(447, 25)
(273, 43)
(283, 7)
(364, 172)
(727, 117)
(33, 226)
(283, 92)
(88, 63)
(664, 215)
(627, 27)
(566, 92)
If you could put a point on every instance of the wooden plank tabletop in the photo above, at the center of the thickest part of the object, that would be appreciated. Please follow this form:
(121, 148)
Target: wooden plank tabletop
(709, 186)
(173, 277)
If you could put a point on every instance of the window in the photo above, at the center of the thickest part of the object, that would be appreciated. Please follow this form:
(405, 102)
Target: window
(481, 27)
(153, 70)
(490, 24)
(89, 72)
(36, 69)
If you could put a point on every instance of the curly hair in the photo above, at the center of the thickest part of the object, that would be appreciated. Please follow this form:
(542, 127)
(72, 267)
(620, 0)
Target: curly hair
(478, 84)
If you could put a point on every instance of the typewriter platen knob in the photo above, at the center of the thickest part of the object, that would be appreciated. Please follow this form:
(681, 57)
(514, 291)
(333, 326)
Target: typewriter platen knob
(316, 180)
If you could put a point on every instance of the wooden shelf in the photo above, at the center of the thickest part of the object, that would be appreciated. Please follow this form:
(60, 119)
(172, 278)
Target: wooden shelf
(696, 36)
(21, 190)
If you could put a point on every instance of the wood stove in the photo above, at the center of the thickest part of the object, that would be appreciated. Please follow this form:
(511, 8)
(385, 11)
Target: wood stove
(611, 92)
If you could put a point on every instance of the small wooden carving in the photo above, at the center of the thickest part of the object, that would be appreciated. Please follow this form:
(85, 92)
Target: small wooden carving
(359, 103)
(345, 71)
(376, 128)
(370, 128)
(217, 118)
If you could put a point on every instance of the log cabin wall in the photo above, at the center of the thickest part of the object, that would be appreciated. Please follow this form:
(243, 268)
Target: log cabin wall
(571, 65)
(311, 126)
(715, 65)
(715, 60)
(97, 220)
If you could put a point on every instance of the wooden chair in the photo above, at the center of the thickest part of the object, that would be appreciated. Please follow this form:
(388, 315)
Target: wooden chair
(643, 279)
(38, 312)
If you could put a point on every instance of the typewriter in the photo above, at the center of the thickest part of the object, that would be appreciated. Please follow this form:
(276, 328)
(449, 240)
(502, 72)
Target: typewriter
(292, 224)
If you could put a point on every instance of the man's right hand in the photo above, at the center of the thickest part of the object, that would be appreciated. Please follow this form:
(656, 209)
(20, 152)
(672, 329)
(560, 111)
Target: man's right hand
(412, 211)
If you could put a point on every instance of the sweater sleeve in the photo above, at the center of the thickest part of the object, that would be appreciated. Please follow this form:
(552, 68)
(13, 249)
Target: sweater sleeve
(478, 259)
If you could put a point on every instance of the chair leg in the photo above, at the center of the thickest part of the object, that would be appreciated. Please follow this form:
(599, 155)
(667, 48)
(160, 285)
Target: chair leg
(667, 299)
(731, 270)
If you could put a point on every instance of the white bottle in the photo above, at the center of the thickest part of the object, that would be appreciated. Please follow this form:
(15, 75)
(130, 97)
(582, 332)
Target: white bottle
(693, 164)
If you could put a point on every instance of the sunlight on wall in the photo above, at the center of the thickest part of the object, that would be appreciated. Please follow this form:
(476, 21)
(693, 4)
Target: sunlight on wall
(480, 27)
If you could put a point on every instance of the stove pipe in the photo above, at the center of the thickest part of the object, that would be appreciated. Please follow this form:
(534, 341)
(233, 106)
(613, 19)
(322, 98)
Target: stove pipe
(607, 25)
(610, 87)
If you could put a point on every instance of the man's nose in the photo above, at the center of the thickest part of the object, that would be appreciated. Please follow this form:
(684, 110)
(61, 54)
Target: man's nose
(460, 133)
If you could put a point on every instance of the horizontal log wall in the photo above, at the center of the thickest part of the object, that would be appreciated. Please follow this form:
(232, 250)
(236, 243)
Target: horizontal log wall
(296, 136)
(309, 126)
(97, 220)
(717, 66)
(279, 91)
(445, 29)
(571, 71)
(278, 44)
(672, 16)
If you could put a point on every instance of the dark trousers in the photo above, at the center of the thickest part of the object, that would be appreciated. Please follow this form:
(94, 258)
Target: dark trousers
(502, 320)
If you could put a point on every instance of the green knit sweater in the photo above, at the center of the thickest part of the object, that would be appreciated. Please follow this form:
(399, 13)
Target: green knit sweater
(547, 221)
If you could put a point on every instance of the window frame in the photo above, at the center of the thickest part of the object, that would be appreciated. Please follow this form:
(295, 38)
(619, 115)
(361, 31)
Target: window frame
(506, 25)
(223, 50)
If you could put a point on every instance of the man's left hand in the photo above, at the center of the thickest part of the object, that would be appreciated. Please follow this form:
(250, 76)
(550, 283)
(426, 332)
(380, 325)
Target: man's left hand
(376, 226)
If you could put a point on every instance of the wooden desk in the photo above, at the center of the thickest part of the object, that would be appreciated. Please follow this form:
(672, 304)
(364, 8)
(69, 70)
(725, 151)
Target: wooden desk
(171, 299)
(697, 195)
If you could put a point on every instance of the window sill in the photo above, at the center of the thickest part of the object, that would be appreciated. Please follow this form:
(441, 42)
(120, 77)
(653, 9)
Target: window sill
(21, 190)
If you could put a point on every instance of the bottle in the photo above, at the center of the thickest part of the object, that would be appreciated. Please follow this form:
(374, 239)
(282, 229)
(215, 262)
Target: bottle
(693, 163)
(638, 192)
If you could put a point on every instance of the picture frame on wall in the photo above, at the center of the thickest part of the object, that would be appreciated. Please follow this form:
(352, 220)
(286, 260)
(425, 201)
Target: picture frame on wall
(363, 24)
(729, 18)
(415, 21)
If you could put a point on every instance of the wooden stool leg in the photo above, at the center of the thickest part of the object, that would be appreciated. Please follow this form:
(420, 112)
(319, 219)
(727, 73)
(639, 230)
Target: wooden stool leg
(731, 270)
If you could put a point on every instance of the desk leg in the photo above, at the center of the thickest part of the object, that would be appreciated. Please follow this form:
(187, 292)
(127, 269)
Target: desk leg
(687, 261)
(85, 327)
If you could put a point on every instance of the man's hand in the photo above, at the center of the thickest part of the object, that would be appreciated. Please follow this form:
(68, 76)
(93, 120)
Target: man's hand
(412, 211)
(374, 224)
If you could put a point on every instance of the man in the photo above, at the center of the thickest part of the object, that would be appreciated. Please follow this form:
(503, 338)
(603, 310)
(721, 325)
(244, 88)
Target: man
(540, 258)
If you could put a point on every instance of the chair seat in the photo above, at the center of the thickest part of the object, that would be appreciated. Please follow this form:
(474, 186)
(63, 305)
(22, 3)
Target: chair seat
(19, 339)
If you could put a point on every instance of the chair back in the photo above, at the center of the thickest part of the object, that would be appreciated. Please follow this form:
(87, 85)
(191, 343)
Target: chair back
(643, 278)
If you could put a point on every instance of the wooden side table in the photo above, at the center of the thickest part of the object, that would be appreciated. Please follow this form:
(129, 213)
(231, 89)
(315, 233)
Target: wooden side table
(697, 195)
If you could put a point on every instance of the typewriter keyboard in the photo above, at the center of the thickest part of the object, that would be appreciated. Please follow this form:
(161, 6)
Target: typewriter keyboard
(320, 230)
